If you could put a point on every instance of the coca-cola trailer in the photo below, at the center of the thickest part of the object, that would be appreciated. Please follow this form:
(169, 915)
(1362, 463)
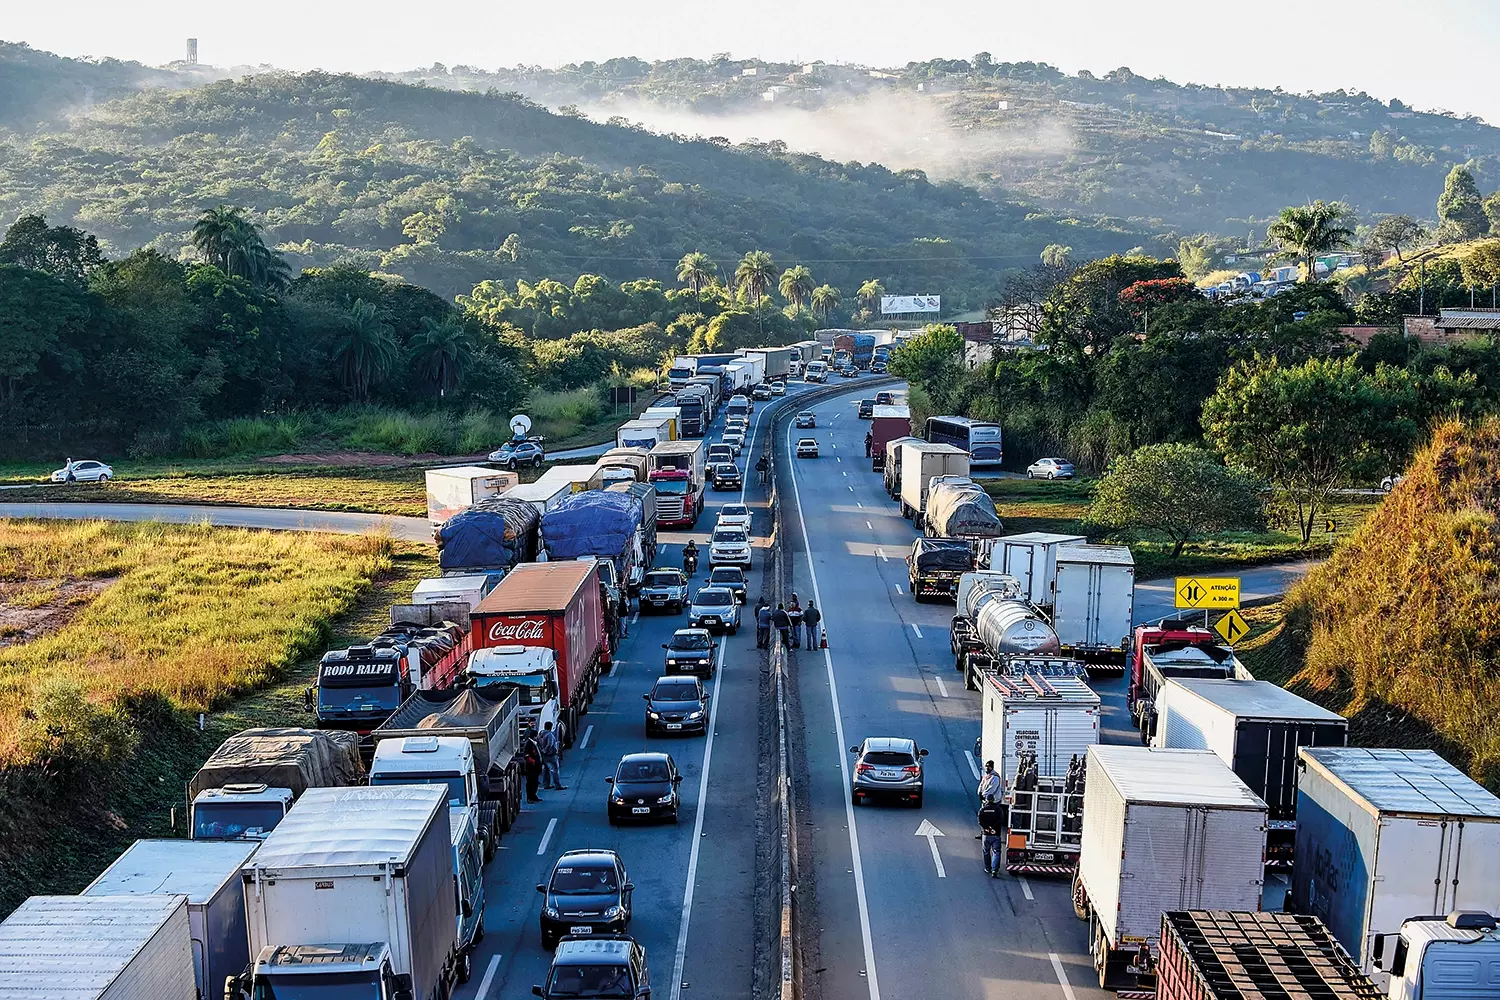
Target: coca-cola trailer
(558, 605)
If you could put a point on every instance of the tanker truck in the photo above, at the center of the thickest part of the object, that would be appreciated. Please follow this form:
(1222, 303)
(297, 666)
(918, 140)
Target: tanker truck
(997, 630)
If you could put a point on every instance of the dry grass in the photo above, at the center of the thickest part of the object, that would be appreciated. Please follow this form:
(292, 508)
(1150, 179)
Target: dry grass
(196, 615)
(387, 491)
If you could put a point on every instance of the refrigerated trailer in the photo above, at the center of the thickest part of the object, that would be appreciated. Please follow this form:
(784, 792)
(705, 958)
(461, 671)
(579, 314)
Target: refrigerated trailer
(1057, 719)
(920, 461)
(1093, 604)
(450, 491)
(1031, 557)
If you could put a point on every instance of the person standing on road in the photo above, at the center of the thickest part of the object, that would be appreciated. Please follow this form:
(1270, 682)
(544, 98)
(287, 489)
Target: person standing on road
(69, 476)
(869, 443)
(794, 613)
(812, 618)
(783, 623)
(551, 759)
(760, 467)
(763, 627)
(989, 785)
(992, 830)
(531, 763)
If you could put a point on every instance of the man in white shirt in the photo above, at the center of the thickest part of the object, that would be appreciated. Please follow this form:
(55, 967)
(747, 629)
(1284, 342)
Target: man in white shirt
(989, 785)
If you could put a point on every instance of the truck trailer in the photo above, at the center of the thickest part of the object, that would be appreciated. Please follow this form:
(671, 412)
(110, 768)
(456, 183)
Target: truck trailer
(249, 783)
(451, 491)
(1031, 557)
(887, 423)
(1217, 955)
(1093, 604)
(891, 470)
(1173, 648)
(920, 461)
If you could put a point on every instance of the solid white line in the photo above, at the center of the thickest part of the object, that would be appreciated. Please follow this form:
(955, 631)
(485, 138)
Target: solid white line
(1025, 887)
(586, 734)
(546, 836)
(489, 977)
(973, 764)
(1062, 977)
(942, 688)
(937, 858)
(917, 630)
(838, 725)
(692, 868)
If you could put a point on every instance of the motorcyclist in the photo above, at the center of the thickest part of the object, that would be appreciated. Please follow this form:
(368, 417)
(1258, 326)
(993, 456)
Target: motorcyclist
(690, 557)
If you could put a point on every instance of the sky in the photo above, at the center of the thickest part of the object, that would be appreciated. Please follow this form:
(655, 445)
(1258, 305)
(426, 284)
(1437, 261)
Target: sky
(1430, 53)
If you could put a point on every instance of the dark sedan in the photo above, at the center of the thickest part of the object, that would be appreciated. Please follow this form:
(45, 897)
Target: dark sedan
(676, 705)
(644, 787)
(727, 476)
(587, 893)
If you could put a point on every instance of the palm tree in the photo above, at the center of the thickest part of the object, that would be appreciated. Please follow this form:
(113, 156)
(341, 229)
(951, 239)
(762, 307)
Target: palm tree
(1306, 231)
(870, 293)
(756, 275)
(698, 271)
(796, 286)
(365, 348)
(230, 242)
(442, 350)
(825, 299)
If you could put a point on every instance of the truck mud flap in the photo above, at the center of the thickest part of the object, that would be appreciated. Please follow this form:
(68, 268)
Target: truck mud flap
(1036, 868)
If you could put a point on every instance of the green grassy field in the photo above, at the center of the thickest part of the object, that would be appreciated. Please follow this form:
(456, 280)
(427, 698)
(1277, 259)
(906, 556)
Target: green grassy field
(377, 491)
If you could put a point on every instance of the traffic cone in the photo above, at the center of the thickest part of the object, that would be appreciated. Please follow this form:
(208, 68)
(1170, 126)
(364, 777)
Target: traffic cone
(824, 643)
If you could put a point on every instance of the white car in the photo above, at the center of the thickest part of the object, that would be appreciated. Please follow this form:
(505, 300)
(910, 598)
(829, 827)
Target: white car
(778, 388)
(87, 471)
(1050, 468)
(729, 547)
(807, 448)
(736, 440)
(736, 424)
(734, 515)
(1387, 484)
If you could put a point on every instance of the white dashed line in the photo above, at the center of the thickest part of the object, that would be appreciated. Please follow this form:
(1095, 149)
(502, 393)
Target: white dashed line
(1062, 977)
(917, 630)
(546, 837)
(859, 505)
(489, 977)
(897, 586)
(942, 688)
(881, 553)
(586, 734)
(973, 764)
(1025, 887)
(869, 525)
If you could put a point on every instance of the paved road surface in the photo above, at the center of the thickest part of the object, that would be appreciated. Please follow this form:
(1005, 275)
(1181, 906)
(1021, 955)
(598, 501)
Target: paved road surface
(1154, 598)
(411, 529)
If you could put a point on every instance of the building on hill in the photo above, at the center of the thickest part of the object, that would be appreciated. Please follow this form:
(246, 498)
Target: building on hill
(1453, 324)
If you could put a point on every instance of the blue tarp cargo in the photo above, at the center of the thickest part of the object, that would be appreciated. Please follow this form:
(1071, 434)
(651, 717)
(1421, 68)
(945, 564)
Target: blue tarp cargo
(497, 533)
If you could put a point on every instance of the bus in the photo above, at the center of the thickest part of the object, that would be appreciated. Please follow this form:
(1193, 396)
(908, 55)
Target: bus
(980, 438)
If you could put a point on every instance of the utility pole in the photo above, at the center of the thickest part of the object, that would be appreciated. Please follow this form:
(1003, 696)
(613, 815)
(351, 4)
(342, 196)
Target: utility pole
(1422, 295)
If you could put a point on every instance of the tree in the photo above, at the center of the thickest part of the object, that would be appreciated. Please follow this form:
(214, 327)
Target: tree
(869, 294)
(1308, 430)
(698, 271)
(825, 299)
(1460, 208)
(796, 286)
(365, 348)
(1176, 490)
(230, 242)
(1305, 232)
(61, 251)
(1056, 256)
(755, 275)
(931, 358)
(1492, 212)
(442, 350)
(1481, 267)
(1396, 233)
(1083, 315)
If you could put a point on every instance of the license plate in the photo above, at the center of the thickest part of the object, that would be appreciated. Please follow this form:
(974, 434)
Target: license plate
(887, 774)
(674, 725)
(642, 810)
(710, 621)
(1042, 855)
(581, 929)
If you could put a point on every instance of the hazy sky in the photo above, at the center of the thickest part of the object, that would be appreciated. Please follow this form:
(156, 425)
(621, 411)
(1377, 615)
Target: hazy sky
(1430, 53)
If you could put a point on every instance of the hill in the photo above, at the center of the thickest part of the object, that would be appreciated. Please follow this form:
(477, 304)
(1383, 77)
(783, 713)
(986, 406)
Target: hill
(39, 87)
(448, 188)
(1402, 614)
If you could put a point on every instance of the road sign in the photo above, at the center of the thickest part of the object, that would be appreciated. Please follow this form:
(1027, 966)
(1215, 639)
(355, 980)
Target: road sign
(1232, 627)
(1329, 526)
(1208, 592)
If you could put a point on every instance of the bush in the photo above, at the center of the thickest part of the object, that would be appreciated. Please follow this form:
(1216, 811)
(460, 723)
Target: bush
(69, 738)
(1178, 491)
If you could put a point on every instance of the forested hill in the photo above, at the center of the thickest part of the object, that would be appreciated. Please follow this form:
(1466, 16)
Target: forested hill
(38, 86)
(448, 188)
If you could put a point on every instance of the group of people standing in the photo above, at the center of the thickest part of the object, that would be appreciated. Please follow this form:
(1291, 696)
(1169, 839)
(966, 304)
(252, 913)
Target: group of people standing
(541, 758)
(790, 620)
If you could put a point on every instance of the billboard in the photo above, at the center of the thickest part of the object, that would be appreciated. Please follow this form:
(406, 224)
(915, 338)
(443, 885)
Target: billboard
(891, 305)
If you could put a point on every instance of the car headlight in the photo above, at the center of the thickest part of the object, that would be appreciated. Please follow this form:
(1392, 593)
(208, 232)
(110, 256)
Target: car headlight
(614, 912)
(664, 799)
(652, 715)
(550, 912)
(619, 799)
(693, 717)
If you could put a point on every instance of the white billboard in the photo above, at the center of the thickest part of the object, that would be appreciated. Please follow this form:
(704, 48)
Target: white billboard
(892, 305)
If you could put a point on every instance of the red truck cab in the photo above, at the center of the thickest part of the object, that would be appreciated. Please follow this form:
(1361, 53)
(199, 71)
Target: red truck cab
(1173, 648)
(679, 500)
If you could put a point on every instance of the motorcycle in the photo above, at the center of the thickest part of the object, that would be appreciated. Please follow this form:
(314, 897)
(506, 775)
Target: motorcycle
(690, 563)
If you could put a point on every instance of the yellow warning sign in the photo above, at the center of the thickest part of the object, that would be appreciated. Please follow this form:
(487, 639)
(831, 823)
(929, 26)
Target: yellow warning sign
(1232, 627)
(1208, 592)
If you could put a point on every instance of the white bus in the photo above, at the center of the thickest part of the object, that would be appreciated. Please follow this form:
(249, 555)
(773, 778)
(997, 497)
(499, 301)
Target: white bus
(980, 438)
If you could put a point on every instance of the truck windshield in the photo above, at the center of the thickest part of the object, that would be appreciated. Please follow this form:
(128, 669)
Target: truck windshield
(327, 986)
(370, 698)
(590, 981)
(458, 794)
(532, 687)
(234, 820)
(674, 486)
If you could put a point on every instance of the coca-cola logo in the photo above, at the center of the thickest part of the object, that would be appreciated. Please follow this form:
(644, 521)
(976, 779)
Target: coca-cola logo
(527, 629)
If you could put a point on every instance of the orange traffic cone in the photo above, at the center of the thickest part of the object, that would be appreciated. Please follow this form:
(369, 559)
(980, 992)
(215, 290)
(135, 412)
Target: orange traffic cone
(824, 644)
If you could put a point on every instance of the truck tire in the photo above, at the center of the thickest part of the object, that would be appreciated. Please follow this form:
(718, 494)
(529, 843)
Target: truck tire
(1080, 899)
(464, 967)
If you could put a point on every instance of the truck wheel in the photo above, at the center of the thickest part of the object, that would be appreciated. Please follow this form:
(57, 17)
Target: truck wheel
(1080, 899)
(465, 967)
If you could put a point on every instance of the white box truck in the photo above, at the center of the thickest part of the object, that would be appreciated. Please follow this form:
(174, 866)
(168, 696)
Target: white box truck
(1093, 604)
(353, 892)
(671, 414)
(1031, 557)
(452, 491)
(920, 461)
(97, 948)
(1162, 830)
(542, 496)
(641, 434)
(1384, 835)
(469, 589)
(207, 872)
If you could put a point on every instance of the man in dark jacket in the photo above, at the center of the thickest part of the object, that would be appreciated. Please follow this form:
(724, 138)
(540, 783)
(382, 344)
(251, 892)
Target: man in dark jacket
(763, 627)
(992, 828)
(783, 623)
(531, 763)
(869, 443)
(812, 618)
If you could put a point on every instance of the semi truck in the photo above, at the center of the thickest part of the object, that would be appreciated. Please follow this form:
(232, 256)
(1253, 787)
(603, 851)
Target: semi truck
(574, 477)
(920, 461)
(960, 508)
(859, 347)
(631, 465)
(891, 469)
(672, 414)
(1384, 835)
(207, 873)
(934, 566)
(490, 769)
(450, 491)
(558, 606)
(994, 624)
(776, 361)
(677, 472)
(697, 412)
(493, 535)
(531, 673)
(353, 894)
(465, 589)
(644, 493)
(1453, 957)
(359, 687)
(887, 423)
(1255, 727)
(539, 496)
(1031, 557)
(1093, 604)
(251, 781)
(98, 948)
(1216, 955)
(603, 525)
(645, 434)
(1173, 648)
(1162, 830)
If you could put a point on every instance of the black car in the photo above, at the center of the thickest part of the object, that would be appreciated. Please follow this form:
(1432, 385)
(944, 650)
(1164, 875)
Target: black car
(727, 476)
(730, 577)
(691, 651)
(609, 966)
(644, 787)
(676, 705)
(587, 893)
(866, 408)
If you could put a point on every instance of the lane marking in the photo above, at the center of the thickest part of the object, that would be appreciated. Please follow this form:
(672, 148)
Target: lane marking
(973, 764)
(837, 459)
(855, 860)
(702, 810)
(851, 489)
(859, 505)
(869, 525)
(845, 474)
(932, 833)
(897, 586)
(1062, 977)
(881, 553)
(917, 630)
(1025, 887)
(942, 688)
(546, 837)
(586, 734)
(489, 977)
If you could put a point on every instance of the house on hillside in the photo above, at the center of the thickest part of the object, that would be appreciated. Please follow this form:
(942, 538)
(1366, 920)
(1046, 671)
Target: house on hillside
(1453, 324)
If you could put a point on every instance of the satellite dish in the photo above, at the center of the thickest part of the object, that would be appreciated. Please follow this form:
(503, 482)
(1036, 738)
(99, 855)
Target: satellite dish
(520, 424)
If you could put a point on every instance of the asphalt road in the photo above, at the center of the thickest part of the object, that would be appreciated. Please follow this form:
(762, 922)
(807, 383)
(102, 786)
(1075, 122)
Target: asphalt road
(891, 913)
(411, 529)
(695, 882)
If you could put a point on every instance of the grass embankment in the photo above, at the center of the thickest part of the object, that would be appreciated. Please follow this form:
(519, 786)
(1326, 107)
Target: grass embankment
(378, 491)
(147, 625)
(1040, 505)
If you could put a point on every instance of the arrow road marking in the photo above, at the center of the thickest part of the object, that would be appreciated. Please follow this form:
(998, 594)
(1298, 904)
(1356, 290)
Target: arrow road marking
(932, 833)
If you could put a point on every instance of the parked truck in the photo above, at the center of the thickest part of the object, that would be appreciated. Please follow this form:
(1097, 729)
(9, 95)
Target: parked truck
(530, 672)
(98, 948)
(1384, 835)
(558, 606)
(603, 525)
(777, 361)
(934, 565)
(671, 414)
(960, 508)
(574, 477)
(207, 873)
(249, 783)
(1093, 604)
(1162, 830)
(353, 894)
(359, 687)
(1031, 557)
(539, 496)
(1217, 955)
(887, 423)
(697, 410)
(489, 769)
(621, 465)
(677, 472)
(645, 434)
(891, 471)
(1453, 957)
(464, 590)
(920, 461)
(1255, 727)
(452, 491)
(993, 623)
(1173, 648)
(858, 347)
(492, 536)
(644, 493)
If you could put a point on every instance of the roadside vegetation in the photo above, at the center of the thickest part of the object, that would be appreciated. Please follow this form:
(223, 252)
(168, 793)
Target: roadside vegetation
(398, 492)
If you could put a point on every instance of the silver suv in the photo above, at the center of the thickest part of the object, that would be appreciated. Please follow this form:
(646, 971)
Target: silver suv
(664, 590)
(887, 766)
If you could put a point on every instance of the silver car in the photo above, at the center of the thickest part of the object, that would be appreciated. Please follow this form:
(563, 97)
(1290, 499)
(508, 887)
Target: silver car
(664, 590)
(715, 609)
(1050, 468)
(887, 766)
